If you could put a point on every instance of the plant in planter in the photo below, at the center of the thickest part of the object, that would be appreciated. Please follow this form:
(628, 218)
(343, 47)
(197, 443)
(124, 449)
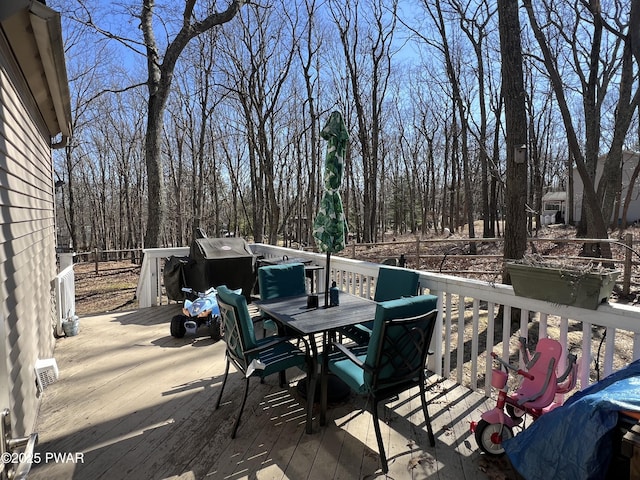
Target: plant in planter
(585, 287)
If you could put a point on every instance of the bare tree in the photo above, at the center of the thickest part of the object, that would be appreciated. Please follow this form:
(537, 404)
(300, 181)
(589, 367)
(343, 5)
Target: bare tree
(596, 227)
(86, 77)
(369, 76)
(515, 238)
(160, 76)
(474, 22)
(258, 72)
(610, 184)
(308, 52)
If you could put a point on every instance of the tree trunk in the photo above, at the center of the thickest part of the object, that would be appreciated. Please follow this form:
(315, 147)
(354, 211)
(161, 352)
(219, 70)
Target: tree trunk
(592, 114)
(515, 239)
(73, 228)
(610, 184)
(160, 76)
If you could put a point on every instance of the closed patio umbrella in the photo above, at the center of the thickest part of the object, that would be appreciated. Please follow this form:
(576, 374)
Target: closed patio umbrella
(330, 226)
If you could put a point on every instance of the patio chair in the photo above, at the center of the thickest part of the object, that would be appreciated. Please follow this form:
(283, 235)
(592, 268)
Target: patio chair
(253, 357)
(392, 283)
(393, 362)
(278, 281)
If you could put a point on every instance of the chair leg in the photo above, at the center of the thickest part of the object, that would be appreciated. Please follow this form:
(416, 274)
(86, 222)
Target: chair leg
(427, 419)
(224, 382)
(323, 394)
(376, 427)
(244, 400)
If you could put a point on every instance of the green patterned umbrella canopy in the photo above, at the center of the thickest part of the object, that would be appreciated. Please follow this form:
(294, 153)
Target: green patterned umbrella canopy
(330, 226)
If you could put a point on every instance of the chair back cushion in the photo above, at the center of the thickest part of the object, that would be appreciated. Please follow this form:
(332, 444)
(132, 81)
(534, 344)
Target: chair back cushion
(238, 327)
(277, 281)
(395, 283)
(400, 339)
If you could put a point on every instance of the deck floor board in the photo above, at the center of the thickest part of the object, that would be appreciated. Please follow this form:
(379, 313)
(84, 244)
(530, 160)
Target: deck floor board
(135, 402)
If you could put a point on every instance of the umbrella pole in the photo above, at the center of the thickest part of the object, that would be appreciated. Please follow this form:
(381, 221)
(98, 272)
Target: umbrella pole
(326, 280)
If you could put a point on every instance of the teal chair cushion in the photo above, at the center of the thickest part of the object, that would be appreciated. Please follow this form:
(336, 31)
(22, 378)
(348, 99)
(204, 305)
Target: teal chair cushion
(349, 372)
(244, 319)
(278, 281)
(399, 308)
(393, 283)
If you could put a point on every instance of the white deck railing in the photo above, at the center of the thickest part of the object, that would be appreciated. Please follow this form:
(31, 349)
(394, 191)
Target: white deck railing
(470, 307)
(65, 291)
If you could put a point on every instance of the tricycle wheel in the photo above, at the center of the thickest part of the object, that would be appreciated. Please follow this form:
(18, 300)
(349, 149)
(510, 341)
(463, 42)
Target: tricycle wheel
(214, 328)
(490, 436)
(177, 326)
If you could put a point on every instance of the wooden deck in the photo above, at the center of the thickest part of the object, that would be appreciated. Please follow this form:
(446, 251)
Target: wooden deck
(132, 402)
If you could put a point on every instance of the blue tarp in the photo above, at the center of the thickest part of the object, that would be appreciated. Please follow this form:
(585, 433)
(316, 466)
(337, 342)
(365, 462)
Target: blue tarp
(575, 441)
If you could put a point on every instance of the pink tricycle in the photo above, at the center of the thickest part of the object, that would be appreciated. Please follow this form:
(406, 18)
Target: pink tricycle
(536, 395)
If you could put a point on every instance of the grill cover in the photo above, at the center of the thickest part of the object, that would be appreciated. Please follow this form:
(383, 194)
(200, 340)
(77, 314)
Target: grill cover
(221, 261)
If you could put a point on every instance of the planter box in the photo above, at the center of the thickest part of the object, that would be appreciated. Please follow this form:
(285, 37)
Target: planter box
(562, 286)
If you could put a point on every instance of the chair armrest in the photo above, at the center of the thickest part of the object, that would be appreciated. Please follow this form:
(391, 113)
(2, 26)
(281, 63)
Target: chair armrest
(259, 318)
(272, 343)
(349, 354)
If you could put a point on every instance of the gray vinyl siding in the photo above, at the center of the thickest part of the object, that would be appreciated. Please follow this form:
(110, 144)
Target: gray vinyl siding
(27, 239)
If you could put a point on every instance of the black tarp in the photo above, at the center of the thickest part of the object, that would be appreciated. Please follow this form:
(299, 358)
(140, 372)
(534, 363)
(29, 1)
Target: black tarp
(174, 277)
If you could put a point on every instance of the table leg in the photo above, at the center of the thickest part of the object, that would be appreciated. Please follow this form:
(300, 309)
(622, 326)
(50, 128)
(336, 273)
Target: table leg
(312, 378)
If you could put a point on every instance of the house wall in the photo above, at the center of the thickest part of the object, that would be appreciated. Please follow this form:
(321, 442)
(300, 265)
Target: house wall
(27, 239)
(630, 160)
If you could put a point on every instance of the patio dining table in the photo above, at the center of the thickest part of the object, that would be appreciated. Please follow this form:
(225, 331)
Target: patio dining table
(293, 313)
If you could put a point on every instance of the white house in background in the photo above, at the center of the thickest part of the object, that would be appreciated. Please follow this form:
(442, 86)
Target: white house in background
(629, 163)
(35, 116)
(554, 208)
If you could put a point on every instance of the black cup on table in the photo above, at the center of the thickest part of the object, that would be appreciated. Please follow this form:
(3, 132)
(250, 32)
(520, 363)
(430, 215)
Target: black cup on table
(312, 301)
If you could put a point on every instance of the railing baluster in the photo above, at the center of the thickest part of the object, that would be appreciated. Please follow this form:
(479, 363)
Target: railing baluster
(585, 363)
(542, 321)
(447, 336)
(609, 350)
(506, 331)
(460, 351)
(489, 349)
(524, 331)
(435, 360)
(474, 343)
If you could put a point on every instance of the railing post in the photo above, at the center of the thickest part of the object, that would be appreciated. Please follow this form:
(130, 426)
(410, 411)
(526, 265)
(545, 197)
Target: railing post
(96, 258)
(66, 260)
(626, 277)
